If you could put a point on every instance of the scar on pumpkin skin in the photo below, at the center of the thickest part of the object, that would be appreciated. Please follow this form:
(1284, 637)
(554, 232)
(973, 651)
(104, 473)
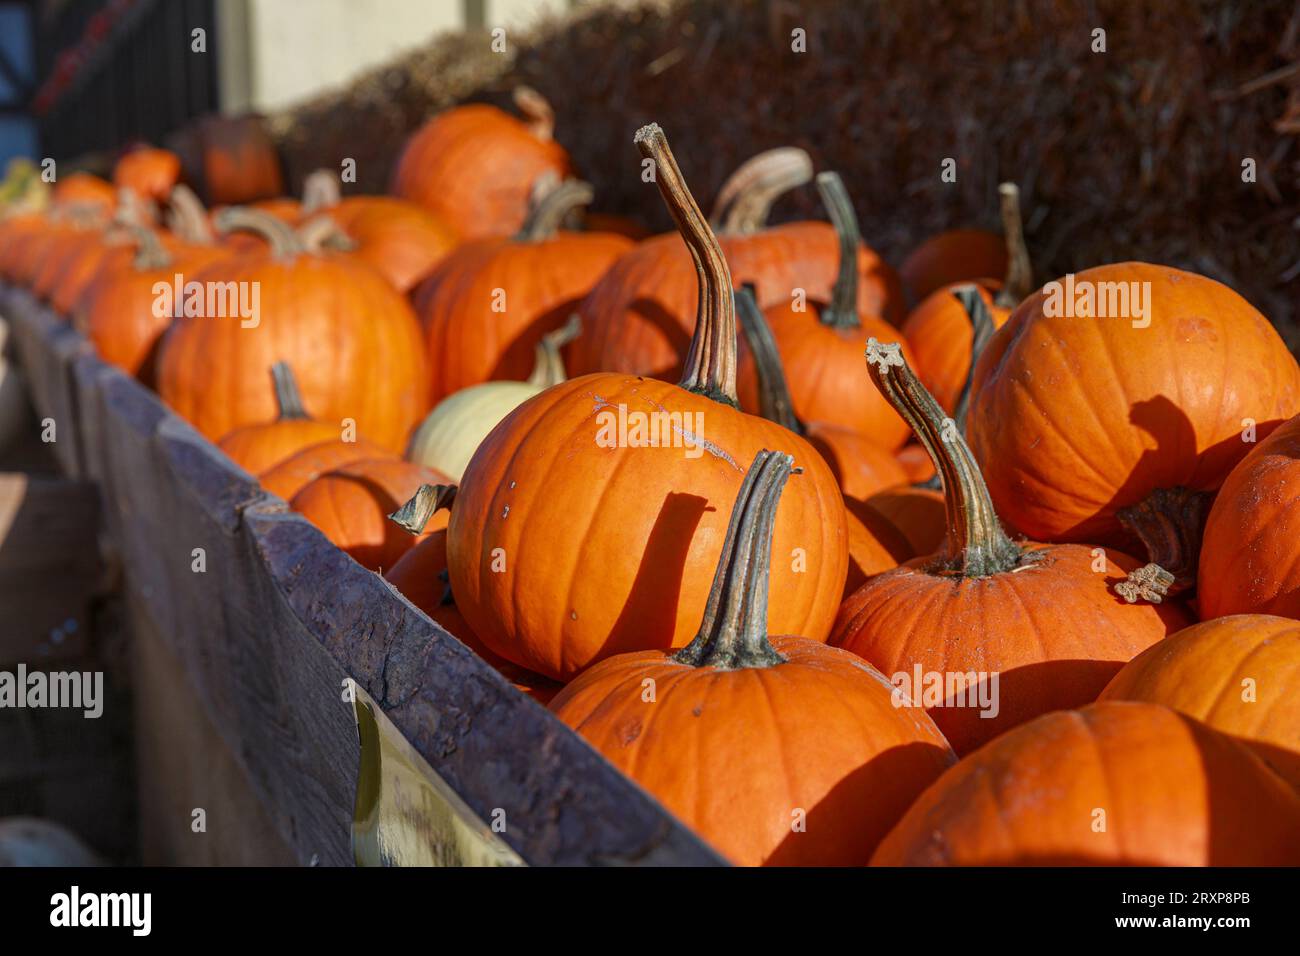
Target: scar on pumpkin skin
(704, 443)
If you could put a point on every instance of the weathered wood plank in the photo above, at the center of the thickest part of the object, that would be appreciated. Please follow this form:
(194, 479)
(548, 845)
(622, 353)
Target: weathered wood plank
(278, 618)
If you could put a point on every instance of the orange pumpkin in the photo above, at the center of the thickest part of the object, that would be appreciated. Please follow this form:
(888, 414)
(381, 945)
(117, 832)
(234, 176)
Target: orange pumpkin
(950, 258)
(628, 478)
(295, 472)
(875, 546)
(860, 465)
(231, 159)
(1250, 553)
(349, 335)
(640, 317)
(943, 332)
(420, 575)
(821, 343)
(801, 730)
(257, 448)
(1112, 784)
(150, 173)
(120, 311)
(474, 166)
(1116, 429)
(85, 189)
(1028, 628)
(920, 515)
(351, 505)
(915, 462)
(486, 306)
(1236, 673)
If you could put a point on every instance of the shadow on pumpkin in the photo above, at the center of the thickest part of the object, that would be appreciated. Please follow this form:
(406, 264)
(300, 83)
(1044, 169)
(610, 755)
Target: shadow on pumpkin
(651, 606)
(846, 825)
(518, 359)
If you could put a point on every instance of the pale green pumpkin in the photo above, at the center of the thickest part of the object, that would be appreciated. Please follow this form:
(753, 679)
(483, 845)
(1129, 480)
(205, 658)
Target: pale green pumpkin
(448, 437)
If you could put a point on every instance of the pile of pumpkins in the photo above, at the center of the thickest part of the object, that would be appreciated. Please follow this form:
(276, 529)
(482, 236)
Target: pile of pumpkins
(907, 567)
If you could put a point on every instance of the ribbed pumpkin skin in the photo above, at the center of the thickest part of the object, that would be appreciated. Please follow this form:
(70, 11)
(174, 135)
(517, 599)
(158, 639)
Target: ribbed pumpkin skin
(826, 373)
(640, 317)
(257, 448)
(960, 255)
(351, 505)
(939, 333)
(474, 168)
(1051, 630)
(734, 754)
(1201, 671)
(352, 341)
(294, 473)
(1175, 793)
(860, 465)
(62, 241)
(451, 433)
(400, 240)
(417, 576)
(151, 173)
(610, 550)
(1074, 419)
(1250, 554)
(116, 309)
(79, 270)
(543, 282)
(919, 514)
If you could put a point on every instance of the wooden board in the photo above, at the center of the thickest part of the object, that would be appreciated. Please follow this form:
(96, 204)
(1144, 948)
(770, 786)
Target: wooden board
(279, 618)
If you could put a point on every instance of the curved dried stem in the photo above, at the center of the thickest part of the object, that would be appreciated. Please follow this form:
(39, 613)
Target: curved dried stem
(548, 212)
(982, 330)
(539, 117)
(150, 253)
(1019, 280)
(279, 235)
(733, 633)
(320, 190)
(842, 312)
(426, 502)
(774, 401)
(1169, 522)
(710, 367)
(548, 366)
(745, 199)
(188, 217)
(323, 232)
(287, 397)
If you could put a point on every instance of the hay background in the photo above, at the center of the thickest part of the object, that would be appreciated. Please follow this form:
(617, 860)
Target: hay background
(1134, 153)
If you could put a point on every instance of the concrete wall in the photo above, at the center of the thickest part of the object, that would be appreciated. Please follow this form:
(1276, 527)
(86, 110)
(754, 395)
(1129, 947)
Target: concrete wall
(274, 53)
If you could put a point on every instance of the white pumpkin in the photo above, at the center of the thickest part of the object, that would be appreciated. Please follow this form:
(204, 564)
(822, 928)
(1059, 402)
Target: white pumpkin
(13, 396)
(448, 437)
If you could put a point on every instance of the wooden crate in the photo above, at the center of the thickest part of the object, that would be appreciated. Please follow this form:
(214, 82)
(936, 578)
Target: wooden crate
(240, 669)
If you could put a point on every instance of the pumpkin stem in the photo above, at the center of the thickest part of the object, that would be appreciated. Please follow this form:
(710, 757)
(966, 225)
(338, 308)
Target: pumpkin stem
(774, 401)
(982, 327)
(976, 544)
(1169, 523)
(279, 235)
(710, 367)
(150, 253)
(842, 313)
(745, 199)
(548, 368)
(320, 190)
(551, 208)
(427, 501)
(323, 232)
(187, 216)
(1019, 280)
(539, 117)
(733, 633)
(1150, 583)
(287, 397)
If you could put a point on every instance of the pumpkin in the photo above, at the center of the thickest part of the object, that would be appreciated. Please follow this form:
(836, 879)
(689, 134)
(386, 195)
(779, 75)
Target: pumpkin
(860, 465)
(920, 515)
(452, 432)
(875, 545)
(641, 315)
(73, 229)
(487, 304)
(420, 576)
(589, 518)
(746, 735)
(474, 166)
(399, 239)
(150, 173)
(949, 258)
(120, 310)
(1116, 429)
(351, 504)
(231, 159)
(1250, 554)
(821, 343)
(1116, 783)
(85, 189)
(1027, 627)
(1236, 673)
(915, 462)
(257, 448)
(351, 338)
(295, 472)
